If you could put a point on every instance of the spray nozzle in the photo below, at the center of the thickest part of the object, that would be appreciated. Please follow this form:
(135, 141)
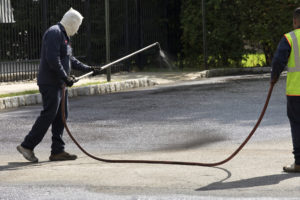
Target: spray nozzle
(161, 52)
(157, 43)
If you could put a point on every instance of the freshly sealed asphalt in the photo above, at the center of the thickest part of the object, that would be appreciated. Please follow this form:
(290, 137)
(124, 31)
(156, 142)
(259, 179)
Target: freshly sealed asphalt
(200, 121)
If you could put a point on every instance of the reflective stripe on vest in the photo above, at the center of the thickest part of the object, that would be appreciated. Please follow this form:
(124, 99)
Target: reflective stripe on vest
(296, 53)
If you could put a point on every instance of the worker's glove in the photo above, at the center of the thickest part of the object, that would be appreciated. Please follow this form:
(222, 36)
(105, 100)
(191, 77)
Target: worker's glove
(70, 80)
(96, 70)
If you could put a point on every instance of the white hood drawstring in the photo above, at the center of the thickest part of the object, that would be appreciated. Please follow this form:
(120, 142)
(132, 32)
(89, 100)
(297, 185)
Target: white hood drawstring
(71, 21)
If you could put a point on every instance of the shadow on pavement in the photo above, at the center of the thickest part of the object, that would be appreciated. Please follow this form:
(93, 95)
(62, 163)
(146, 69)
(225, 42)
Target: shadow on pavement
(19, 165)
(192, 140)
(248, 183)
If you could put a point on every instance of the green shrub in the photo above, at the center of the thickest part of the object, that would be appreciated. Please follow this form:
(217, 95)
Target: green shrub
(234, 28)
(224, 41)
(265, 21)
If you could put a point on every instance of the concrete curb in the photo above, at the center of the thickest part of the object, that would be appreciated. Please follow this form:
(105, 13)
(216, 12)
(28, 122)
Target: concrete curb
(25, 100)
(234, 71)
(32, 99)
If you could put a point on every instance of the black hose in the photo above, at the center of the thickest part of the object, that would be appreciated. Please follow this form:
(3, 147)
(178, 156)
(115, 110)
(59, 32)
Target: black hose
(170, 162)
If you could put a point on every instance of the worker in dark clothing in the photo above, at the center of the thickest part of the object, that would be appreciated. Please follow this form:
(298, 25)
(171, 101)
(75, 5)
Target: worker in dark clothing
(54, 71)
(287, 54)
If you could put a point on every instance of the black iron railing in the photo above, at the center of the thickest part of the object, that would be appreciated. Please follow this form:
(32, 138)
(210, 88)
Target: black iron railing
(133, 25)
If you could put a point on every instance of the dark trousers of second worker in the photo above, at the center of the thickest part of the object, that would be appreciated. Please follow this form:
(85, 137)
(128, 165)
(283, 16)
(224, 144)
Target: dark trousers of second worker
(50, 115)
(293, 112)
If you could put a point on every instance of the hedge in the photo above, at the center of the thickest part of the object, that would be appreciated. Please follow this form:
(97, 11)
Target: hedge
(234, 28)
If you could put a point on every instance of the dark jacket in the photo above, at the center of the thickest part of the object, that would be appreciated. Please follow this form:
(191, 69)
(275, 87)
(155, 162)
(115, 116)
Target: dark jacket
(281, 57)
(56, 57)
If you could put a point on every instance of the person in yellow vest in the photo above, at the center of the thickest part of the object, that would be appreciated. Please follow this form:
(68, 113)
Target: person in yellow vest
(288, 54)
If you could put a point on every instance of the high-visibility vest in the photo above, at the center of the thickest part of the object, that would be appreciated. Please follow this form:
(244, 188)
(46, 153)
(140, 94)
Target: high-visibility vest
(293, 66)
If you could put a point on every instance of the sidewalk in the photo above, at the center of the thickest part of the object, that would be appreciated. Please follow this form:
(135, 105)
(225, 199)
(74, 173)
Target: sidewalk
(91, 86)
(157, 77)
(88, 86)
(120, 82)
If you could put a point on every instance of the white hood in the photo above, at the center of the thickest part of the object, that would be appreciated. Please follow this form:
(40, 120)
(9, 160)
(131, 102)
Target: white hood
(71, 21)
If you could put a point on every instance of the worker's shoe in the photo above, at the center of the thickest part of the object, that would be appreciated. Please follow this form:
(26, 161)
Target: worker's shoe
(62, 156)
(27, 153)
(292, 168)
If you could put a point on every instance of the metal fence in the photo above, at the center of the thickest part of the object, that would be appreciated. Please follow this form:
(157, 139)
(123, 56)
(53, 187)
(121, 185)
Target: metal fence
(133, 25)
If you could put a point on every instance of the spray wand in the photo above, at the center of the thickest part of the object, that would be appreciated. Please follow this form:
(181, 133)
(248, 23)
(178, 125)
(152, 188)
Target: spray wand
(124, 58)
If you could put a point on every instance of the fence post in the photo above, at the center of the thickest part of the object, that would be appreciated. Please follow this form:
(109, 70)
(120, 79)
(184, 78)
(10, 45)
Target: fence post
(107, 33)
(127, 34)
(204, 35)
(45, 13)
(88, 30)
(139, 31)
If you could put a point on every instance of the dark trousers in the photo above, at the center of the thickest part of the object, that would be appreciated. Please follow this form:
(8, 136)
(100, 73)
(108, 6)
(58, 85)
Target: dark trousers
(50, 115)
(293, 112)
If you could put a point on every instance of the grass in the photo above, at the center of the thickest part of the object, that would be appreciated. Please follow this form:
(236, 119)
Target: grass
(37, 91)
(19, 93)
(249, 60)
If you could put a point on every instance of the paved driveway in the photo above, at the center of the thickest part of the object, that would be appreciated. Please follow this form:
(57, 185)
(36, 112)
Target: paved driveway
(193, 121)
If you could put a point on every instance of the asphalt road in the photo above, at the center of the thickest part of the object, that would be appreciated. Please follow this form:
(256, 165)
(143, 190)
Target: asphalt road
(194, 120)
(175, 117)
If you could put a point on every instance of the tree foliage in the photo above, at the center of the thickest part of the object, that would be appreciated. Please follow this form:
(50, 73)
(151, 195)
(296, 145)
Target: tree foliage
(223, 23)
(234, 28)
(265, 21)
